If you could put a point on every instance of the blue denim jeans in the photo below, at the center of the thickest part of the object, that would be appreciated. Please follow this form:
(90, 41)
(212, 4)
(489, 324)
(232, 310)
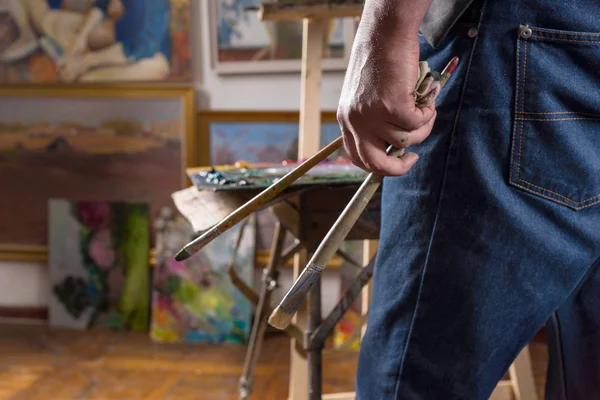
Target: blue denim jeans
(496, 230)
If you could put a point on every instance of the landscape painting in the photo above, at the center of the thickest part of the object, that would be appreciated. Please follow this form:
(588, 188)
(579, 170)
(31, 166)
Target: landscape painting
(98, 265)
(121, 145)
(243, 44)
(86, 41)
(195, 300)
(257, 142)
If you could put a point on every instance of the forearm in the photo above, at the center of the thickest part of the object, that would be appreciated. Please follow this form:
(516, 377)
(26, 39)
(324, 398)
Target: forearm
(393, 19)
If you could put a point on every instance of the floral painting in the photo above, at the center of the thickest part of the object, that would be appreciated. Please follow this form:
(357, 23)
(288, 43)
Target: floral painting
(195, 300)
(98, 261)
(244, 44)
(94, 41)
(107, 148)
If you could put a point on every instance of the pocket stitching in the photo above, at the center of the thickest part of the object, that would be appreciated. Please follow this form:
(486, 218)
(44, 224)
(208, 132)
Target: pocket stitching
(512, 152)
(522, 109)
(565, 40)
(561, 32)
(560, 119)
(537, 193)
(581, 204)
(558, 112)
(560, 195)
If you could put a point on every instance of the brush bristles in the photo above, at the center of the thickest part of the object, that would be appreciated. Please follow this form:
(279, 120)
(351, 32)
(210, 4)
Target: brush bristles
(280, 319)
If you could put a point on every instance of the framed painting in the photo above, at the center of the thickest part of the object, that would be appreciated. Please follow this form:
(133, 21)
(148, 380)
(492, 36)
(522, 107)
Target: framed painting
(271, 136)
(94, 41)
(257, 136)
(112, 144)
(241, 44)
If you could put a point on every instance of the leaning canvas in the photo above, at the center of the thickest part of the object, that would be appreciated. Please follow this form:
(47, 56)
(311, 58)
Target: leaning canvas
(99, 268)
(195, 300)
(122, 143)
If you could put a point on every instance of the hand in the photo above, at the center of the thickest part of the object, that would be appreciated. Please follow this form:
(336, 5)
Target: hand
(376, 106)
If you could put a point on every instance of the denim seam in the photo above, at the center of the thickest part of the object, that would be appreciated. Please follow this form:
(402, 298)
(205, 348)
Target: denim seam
(560, 119)
(560, 351)
(558, 32)
(565, 39)
(522, 109)
(537, 193)
(560, 195)
(563, 375)
(558, 112)
(439, 204)
(517, 99)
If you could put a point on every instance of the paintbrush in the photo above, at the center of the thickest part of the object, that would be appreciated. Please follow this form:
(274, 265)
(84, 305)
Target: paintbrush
(428, 86)
(258, 201)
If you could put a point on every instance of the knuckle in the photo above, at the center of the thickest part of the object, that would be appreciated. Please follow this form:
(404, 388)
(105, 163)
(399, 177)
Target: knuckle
(340, 115)
(375, 166)
(411, 123)
(355, 116)
(404, 118)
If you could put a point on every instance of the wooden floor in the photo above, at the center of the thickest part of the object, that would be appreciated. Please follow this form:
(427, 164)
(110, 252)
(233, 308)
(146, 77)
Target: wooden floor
(38, 363)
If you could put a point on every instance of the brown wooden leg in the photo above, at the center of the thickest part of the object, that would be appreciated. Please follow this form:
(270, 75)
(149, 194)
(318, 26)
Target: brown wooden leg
(298, 360)
(314, 348)
(259, 324)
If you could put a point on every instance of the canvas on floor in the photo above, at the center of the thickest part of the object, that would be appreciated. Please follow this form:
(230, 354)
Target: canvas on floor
(98, 261)
(195, 300)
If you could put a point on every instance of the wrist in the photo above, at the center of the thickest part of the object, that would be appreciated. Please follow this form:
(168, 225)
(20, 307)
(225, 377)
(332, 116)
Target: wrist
(394, 19)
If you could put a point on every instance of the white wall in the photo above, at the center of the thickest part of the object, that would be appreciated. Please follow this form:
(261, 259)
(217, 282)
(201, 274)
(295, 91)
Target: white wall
(23, 284)
(254, 92)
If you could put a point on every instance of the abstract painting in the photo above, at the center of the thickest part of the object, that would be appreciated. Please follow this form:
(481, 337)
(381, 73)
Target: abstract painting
(94, 41)
(195, 300)
(106, 145)
(243, 44)
(98, 260)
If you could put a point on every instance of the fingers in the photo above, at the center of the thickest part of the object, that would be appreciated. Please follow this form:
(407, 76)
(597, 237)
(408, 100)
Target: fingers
(350, 146)
(402, 138)
(412, 117)
(372, 154)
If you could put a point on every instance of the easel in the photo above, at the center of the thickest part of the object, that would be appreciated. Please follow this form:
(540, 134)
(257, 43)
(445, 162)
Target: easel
(315, 17)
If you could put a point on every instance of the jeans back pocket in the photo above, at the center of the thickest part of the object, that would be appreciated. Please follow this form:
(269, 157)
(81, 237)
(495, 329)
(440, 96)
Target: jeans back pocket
(556, 133)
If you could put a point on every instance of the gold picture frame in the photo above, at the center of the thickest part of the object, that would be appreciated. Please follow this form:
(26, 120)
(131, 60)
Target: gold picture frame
(184, 94)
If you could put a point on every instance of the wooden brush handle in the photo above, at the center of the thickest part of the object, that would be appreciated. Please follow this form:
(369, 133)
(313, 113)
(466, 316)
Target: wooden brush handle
(333, 240)
(261, 199)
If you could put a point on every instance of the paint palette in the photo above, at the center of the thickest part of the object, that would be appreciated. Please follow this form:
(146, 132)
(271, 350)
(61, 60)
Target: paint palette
(262, 176)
